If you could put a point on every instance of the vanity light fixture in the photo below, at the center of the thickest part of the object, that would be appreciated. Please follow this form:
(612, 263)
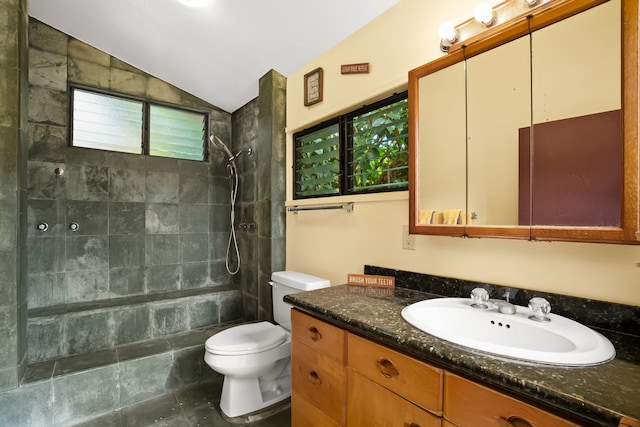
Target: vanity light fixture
(484, 14)
(487, 16)
(448, 36)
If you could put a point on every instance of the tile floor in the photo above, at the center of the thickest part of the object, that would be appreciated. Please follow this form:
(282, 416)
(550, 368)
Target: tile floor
(195, 406)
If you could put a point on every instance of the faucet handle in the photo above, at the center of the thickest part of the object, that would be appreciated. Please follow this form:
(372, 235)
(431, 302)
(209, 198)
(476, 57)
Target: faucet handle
(540, 308)
(479, 298)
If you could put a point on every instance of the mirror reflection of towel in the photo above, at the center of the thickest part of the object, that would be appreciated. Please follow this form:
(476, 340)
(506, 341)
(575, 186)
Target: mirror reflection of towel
(451, 216)
(426, 217)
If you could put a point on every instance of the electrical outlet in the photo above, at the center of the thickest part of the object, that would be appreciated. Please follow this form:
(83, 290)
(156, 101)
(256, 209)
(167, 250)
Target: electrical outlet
(408, 240)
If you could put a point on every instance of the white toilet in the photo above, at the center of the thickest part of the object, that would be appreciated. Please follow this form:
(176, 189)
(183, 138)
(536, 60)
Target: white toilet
(255, 358)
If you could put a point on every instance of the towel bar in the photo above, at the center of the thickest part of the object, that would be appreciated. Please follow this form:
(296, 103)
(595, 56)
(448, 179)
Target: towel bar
(346, 206)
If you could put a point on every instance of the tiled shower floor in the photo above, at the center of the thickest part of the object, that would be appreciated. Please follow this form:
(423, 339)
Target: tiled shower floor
(196, 406)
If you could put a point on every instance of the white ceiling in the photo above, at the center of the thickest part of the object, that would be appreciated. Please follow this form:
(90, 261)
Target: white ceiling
(218, 51)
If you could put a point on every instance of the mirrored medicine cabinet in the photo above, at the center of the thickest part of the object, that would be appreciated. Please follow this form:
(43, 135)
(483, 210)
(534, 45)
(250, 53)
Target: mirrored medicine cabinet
(529, 130)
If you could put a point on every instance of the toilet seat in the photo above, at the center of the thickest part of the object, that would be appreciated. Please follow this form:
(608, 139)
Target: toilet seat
(246, 339)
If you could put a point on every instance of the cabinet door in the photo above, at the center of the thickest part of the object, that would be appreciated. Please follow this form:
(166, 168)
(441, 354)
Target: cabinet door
(467, 404)
(318, 378)
(304, 414)
(415, 381)
(319, 335)
(371, 405)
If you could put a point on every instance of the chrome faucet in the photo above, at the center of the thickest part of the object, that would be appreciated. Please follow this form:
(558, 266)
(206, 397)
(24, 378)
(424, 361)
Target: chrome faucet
(480, 299)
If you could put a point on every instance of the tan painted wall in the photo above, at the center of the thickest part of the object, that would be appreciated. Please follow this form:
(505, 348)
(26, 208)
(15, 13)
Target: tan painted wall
(334, 243)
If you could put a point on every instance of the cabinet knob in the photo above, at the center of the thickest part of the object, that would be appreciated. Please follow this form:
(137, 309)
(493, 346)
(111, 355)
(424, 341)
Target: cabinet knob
(314, 378)
(386, 368)
(514, 422)
(314, 333)
(411, 425)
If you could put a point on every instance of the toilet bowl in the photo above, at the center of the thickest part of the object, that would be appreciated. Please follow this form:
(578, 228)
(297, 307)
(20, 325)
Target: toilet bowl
(255, 358)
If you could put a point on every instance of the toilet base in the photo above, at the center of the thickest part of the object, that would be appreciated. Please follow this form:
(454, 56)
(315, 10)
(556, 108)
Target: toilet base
(260, 414)
(252, 394)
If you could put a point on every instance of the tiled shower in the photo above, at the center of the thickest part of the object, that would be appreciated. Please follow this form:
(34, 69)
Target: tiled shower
(145, 259)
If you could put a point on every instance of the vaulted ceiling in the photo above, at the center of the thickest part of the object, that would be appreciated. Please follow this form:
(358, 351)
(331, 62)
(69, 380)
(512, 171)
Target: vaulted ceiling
(215, 49)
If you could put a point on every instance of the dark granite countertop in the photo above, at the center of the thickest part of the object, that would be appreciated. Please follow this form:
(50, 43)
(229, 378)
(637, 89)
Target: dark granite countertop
(599, 395)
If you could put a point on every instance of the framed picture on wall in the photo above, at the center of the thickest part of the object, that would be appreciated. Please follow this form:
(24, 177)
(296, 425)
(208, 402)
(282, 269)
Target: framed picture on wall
(313, 87)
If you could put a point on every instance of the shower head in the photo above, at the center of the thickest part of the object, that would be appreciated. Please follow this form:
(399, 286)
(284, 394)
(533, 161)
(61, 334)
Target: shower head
(217, 142)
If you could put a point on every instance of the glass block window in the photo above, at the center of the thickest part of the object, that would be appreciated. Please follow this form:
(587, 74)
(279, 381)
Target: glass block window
(106, 121)
(362, 151)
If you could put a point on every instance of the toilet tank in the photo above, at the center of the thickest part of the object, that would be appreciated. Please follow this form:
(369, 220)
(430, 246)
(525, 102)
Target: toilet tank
(290, 282)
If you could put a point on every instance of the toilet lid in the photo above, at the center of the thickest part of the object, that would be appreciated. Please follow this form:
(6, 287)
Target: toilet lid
(249, 338)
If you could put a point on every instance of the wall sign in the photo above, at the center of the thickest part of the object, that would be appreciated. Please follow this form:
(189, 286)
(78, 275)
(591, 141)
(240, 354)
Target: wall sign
(313, 87)
(362, 68)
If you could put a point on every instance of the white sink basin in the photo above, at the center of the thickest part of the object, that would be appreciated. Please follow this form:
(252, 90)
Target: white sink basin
(560, 341)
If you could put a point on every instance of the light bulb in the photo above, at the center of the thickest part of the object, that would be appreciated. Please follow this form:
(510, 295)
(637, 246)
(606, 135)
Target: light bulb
(531, 3)
(484, 14)
(447, 32)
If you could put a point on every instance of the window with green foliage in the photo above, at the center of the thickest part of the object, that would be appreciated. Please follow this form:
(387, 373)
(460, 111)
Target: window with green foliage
(106, 121)
(363, 151)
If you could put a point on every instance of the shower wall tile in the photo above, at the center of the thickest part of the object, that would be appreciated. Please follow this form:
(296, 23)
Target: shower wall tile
(47, 106)
(219, 191)
(133, 324)
(45, 339)
(162, 218)
(87, 253)
(162, 249)
(218, 243)
(86, 182)
(164, 278)
(29, 405)
(204, 311)
(126, 218)
(195, 275)
(194, 218)
(42, 181)
(46, 255)
(87, 332)
(141, 379)
(169, 318)
(97, 399)
(230, 306)
(194, 247)
(194, 189)
(47, 143)
(86, 285)
(46, 289)
(127, 185)
(77, 156)
(92, 217)
(219, 218)
(162, 187)
(48, 69)
(126, 251)
(126, 281)
(50, 212)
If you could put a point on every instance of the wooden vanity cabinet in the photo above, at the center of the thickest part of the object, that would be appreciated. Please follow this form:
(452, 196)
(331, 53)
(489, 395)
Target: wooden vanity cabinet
(467, 403)
(341, 379)
(318, 372)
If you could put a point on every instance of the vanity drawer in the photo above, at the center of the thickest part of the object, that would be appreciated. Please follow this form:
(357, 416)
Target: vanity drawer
(318, 378)
(469, 404)
(414, 380)
(319, 335)
(370, 404)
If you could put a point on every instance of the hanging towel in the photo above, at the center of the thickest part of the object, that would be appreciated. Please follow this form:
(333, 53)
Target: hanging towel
(426, 217)
(451, 216)
(438, 218)
(465, 217)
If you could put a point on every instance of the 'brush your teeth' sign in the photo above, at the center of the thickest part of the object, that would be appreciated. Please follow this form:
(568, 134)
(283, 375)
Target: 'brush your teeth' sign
(371, 280)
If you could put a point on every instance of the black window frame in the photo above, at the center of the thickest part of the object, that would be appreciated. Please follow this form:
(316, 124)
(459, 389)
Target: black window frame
(146, 113)
(344, 122)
